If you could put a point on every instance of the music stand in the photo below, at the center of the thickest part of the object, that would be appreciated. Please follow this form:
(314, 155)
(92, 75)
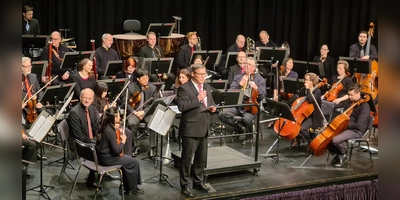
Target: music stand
(292, 85)
(231, 59)
(115, 86)
(304, 67)
(161, 29)
(57, 93)
(30, 42)
(158, 65)
(281, 110)
(358, 65)
(113, 67)
(71, 59)
(39, 68)
(37, 132)
(214, 57)
(271, 54)
(218, 84)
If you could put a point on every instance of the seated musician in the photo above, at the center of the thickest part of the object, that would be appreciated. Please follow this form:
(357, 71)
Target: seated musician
(315, 119)
(248, 79)
(358, 50)
(151, 50)
(182, 60)
(237, 68)
(57, 55)
(128, 70)
(84, 77)
(284, 71)
(30, 85)
(29, 150)
(105, 53)
(139, 93)
(356, 129)
(342, 77)
(114, 150)
(100, 97)
(264, 40)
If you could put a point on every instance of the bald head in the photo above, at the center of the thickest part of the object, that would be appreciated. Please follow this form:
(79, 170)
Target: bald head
(240, 40)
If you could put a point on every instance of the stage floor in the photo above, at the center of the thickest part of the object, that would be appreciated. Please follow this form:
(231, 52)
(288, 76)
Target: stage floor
(285, 175)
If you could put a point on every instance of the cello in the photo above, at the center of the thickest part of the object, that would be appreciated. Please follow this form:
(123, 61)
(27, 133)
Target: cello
(320, 143)
(369, 82)
(301, 110)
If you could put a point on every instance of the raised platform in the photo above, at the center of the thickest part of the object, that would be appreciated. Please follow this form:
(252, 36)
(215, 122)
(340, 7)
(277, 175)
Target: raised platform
(223, 159)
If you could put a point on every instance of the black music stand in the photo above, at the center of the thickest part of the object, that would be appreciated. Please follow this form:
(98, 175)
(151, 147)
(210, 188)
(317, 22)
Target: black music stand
(37, 133)
(39, 68)
(292, 85)
(160, 123)
(280, 110)
(218, 84)
(71, 59)
(113, 67)
(304, 67)
(358, 65)
(213, 61)
(158, 65)
(161, 29)
(30, 42)
(57, 93)
(231, 59)
(115, 86)
(271, 54)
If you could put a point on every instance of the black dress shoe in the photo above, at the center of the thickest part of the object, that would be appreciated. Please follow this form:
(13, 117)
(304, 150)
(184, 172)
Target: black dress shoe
(39, 157)
(134, 192)
(91, 185)
(201, 187)
(335, 160)
(151, 153)
(342, 159)
(187, 192)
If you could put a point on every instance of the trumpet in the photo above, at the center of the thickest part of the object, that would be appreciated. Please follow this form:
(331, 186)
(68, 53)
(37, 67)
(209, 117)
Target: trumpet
(250, 45)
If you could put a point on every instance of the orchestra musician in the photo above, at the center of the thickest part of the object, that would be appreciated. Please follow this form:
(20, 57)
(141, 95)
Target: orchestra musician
(105, 53)
(315, 119)
(248, 79)
(100, 97)
(264, 40)
(237, 68)
(112, 150)
(84, 77)
(327, 60)
(182, 78)
(182, 59)
(145, 90)
(356, 129)
(128, 70)
(239, 44)
(198, 60)
(58, 51)
(196, 103)
(30, 25)
(284, 71)
(357, 50)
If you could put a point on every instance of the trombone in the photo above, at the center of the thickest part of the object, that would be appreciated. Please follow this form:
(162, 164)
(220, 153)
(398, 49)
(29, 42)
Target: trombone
(250, 45)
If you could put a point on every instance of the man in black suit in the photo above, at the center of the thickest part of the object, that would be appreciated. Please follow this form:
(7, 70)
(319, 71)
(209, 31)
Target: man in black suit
(357, 126)
(237, 68)
(194, 99)
(264, 40)
(30, 25)
(238, 46)
(182, 59)
(30, 80)
(154, 51)
(146, 91)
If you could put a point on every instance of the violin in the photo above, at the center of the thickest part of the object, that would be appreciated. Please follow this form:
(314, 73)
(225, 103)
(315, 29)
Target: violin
(336, 88)
(31, 111)
(320, 143)
(301, 110)
(118, 135)
(252, 99)
(135, 97)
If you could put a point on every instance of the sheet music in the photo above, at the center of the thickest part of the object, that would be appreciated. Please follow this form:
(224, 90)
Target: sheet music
(35, 129)
(162, 120)
(175, 109)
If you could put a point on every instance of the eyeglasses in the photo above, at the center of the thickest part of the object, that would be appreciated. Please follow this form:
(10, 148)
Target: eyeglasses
(27, 66)
(110, 40)
(55, 38)
(201, 74)
(87, 98)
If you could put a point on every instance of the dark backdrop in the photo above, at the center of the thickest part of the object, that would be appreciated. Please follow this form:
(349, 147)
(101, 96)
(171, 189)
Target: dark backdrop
(305, 24)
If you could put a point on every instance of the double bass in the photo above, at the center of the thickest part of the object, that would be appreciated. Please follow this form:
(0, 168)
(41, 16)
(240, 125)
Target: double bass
(320, 143)
(301, 110)
(369, 82)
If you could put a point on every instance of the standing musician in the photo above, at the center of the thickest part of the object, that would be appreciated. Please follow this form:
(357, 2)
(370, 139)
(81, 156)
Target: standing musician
(315, 119)
(248, 79)
(356, 129)
(182, 59)
(139, 93)
(237, 68)
(357, 50)
(196, 103)
(58, 51)
(327, 60)
(154, 51)
(105, 53)
(113, 147)
(84, 77)
(341, 78)
(30, 85)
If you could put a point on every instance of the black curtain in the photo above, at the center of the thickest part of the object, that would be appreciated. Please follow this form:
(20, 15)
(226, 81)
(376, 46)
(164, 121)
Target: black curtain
(304, 24)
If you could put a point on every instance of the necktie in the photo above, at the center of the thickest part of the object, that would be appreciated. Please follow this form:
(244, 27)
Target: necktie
(154, 53)
(192, 50)
(90, 133)
(204, 100)
(27, 26)
(28, 87)
(362, 53)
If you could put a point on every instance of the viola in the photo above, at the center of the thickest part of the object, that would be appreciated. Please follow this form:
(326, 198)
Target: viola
(301, 110)
(320, 143)
(336, 88)
(118, 135)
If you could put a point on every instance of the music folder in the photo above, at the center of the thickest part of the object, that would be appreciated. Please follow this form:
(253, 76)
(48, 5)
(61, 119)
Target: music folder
(161, 119)
(41, 126)
(213, 55)
(113, 67)
(72, 59)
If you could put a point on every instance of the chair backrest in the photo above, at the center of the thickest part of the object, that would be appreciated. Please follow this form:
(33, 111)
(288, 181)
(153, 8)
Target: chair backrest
(132, 25)
(370, 123)
(63, 130)
(86, 151)
(327, 109)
